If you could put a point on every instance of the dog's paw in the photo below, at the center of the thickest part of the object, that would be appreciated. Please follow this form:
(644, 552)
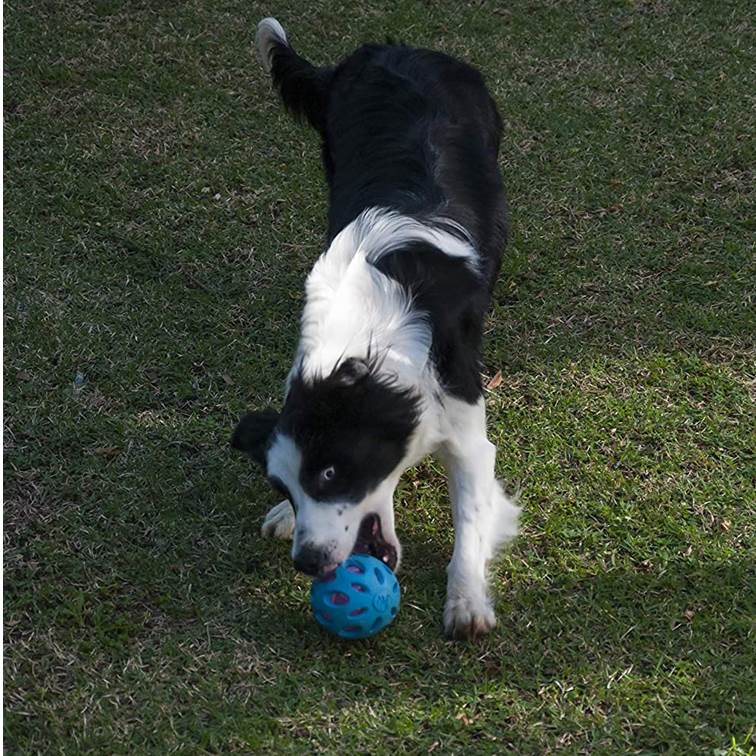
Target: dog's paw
(279, 522)
(467, 618)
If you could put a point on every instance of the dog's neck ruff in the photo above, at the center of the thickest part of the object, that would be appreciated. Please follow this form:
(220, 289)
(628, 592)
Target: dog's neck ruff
(352, 309)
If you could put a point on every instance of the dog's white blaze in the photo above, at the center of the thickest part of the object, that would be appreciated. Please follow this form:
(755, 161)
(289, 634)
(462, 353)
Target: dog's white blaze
(285, 462)
(353, 309)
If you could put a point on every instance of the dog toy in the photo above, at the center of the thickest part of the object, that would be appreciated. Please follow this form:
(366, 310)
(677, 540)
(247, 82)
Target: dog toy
(356, 600)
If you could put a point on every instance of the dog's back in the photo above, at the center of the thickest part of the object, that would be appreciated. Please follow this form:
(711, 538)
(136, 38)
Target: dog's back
(412, 130)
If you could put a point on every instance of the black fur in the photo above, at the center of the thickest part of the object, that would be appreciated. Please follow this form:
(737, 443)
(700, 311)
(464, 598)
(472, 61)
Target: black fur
(253, 432)
(303, 88)
(455, 319)
(355, 420)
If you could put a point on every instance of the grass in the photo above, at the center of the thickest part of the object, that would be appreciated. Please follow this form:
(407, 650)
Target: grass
(161, 214)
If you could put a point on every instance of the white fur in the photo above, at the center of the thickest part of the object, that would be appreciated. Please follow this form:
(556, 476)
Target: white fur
(352, 309)
(269, 32)
(279, 522)
(484, 517)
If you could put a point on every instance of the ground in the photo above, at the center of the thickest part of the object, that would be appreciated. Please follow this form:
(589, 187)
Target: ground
(161, 213)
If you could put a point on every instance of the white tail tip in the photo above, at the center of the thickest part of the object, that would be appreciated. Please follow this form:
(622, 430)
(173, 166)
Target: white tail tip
(269, 32)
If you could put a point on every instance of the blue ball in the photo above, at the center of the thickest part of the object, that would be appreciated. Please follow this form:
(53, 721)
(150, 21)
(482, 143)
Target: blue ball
(358, 599)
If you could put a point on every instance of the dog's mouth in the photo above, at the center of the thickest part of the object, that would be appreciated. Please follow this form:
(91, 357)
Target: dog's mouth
(370, 541)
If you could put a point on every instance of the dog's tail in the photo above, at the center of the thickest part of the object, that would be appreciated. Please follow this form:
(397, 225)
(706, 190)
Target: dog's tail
(302, 86)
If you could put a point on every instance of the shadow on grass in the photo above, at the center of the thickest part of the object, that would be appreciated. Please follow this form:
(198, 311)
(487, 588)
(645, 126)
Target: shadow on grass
(547, 627)
(195, 583)
(674, 632)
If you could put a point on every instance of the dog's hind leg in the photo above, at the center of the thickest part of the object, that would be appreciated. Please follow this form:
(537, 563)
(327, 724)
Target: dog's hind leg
(279, 522)
(484, 518)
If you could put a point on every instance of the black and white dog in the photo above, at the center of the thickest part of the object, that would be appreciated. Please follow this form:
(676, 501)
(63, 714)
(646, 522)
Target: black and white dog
(387, 369)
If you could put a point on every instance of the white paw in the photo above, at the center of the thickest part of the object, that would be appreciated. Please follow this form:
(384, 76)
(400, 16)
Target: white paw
(279, 522)
(468, 617)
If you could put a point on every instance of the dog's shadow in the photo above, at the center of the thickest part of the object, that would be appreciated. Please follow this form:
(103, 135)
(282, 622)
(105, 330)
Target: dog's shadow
(590, 642)
(642, 620)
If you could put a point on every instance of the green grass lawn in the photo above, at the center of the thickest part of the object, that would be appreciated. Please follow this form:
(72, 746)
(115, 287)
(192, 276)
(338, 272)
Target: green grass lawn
(161, 213)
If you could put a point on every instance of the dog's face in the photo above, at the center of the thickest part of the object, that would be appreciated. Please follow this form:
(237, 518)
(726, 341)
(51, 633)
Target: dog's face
(336, 452)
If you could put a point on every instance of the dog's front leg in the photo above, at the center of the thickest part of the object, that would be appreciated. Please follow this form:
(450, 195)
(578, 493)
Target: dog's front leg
(484, 518)
(279, 522)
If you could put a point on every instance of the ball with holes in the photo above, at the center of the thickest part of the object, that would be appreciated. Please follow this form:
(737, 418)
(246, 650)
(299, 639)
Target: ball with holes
(358, 599)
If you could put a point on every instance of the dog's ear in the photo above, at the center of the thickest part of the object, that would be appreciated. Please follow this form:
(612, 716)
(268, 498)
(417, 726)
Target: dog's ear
(352, 371)
(253, 432)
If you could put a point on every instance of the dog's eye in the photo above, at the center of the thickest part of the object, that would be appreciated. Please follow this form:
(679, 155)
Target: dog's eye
(328, 474)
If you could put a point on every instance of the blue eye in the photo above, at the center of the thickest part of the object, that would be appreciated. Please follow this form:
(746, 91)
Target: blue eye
(328, 474)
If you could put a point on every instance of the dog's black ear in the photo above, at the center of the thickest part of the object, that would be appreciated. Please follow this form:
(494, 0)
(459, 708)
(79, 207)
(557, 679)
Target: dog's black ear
(252, 433)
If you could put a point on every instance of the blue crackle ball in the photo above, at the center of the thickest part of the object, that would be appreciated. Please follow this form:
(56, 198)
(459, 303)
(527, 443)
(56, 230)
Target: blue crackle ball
(358, 599)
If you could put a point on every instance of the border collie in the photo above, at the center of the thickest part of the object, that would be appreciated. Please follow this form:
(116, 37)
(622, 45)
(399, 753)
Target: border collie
(388, 364)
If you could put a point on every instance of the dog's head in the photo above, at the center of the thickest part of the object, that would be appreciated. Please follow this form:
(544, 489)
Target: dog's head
(336, 452)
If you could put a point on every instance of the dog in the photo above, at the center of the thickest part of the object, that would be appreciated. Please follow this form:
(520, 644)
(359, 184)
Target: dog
(387, 369)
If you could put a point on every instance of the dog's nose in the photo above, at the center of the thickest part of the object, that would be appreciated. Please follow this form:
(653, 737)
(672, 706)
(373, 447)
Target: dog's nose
(310, 559)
